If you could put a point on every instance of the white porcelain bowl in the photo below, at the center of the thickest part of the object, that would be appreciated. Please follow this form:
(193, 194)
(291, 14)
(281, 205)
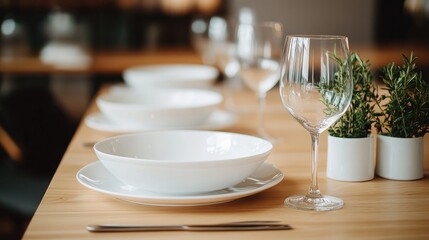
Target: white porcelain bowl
(182, 161)
(171, 75)
(159, 108)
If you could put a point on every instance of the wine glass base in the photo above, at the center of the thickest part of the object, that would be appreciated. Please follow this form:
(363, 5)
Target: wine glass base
(325, 203)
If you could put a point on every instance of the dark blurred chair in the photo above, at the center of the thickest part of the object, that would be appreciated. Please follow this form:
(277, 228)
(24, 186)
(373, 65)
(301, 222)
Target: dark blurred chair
(34, 133)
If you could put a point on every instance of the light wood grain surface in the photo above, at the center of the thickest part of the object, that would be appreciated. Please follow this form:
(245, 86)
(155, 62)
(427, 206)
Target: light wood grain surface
(377, 209)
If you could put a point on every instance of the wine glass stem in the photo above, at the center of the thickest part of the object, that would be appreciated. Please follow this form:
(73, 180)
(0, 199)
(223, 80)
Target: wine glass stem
(261, 111)
(227, 85)
(314, 191)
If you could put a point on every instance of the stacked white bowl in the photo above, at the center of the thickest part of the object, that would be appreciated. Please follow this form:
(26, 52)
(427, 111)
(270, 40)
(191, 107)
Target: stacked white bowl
(173, 161)
(182, 162)
(159, 108)
(171, 76)
(162, 97)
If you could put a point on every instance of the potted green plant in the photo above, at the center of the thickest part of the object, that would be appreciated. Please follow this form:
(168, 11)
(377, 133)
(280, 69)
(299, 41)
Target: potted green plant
(350, 143)
(402, 121)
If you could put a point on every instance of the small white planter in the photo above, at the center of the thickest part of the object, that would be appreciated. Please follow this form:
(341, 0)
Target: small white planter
(399, 158)
(350, 159)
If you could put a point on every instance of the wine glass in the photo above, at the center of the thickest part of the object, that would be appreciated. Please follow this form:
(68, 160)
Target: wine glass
(222, 35)
(258, 52)
(315, 88)
(201, 42)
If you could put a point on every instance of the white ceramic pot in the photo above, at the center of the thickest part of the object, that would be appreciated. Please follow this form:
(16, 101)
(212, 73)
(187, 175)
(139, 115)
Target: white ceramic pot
(399, 158)
(350, 159)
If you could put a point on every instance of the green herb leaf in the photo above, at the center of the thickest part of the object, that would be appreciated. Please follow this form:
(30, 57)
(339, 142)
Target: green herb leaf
(359, 117)
(406, 112)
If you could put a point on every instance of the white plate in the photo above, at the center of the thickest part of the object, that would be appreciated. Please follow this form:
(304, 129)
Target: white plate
(217, 120)
(95, 176)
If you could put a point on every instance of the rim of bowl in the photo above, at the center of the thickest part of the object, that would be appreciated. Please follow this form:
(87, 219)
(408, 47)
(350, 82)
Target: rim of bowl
(217, 99)
(148, 66)
(318, 37)
(163, 162)
(214, 71)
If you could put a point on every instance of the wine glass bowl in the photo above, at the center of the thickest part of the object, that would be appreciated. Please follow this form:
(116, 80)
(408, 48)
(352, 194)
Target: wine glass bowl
(261, 76)
(316, 88)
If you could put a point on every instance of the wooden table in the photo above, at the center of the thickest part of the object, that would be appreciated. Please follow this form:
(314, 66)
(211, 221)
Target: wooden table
(114, 62)
(102, 62)
(377, 209)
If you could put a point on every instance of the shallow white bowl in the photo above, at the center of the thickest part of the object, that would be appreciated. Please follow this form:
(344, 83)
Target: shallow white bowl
(171, 75)
(182, 161)
(159, 108)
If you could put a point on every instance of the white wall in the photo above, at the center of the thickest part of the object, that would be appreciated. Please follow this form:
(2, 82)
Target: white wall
(352, 18)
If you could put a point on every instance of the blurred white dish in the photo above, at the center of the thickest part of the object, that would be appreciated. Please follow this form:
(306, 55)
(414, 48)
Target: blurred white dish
(96, 177)
(182, 161)
(171, 75)
(159, 108)
(65, 55)
(216, 121)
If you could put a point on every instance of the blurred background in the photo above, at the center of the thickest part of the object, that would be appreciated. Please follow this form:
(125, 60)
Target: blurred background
(55, 54)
